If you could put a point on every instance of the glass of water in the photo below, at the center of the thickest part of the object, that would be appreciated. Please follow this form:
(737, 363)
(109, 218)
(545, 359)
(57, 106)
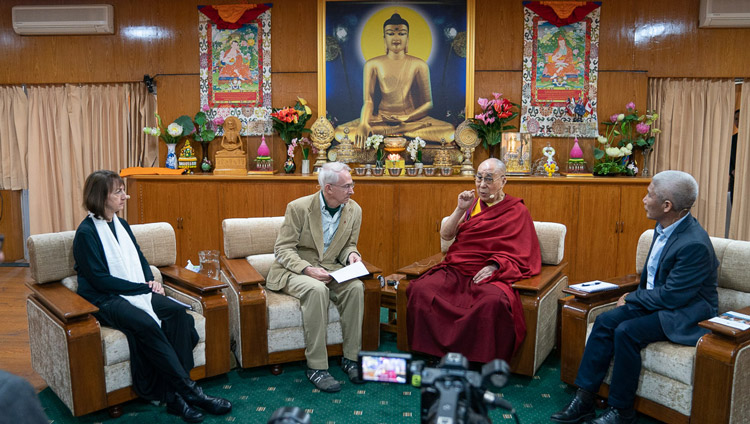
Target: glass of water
(209, 263)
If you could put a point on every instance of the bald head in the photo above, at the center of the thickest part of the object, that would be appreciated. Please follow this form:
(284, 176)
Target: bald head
(492, 165)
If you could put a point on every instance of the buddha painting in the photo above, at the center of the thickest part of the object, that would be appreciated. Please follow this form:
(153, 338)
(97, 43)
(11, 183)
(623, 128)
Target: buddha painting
(397, 96)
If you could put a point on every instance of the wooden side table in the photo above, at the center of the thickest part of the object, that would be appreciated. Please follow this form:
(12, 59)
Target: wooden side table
(388, 300)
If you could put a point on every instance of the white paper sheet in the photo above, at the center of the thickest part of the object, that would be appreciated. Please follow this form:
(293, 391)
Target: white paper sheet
(594, 286)
(357, 269)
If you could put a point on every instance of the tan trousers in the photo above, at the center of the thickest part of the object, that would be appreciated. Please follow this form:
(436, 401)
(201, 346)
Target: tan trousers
(314, 297)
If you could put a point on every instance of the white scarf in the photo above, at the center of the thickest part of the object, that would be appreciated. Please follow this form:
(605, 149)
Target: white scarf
(123, 261)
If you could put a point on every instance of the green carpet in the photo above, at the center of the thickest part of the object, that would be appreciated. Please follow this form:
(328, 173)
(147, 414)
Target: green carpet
(256, 394)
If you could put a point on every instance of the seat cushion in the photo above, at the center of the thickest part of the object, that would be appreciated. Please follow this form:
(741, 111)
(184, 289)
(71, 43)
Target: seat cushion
(668, 359)
(115, 344)
(284, 311)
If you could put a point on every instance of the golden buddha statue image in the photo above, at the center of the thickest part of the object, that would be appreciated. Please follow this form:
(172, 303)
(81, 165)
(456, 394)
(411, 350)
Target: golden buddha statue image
(231, 159)
(397, 93)
(187, 159)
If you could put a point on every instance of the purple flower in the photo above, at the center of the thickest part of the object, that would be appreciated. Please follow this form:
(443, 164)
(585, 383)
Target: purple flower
(205, 107)
(483, 103)
(497, 95)
(642, 128)
(630, 106)
(613, 118)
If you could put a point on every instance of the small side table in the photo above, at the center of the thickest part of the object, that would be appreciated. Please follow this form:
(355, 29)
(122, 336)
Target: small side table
(388, 300)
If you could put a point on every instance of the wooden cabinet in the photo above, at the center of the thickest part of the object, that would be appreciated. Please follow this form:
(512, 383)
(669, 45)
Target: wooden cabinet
(401, 215)
(191, 207)
(612, 219)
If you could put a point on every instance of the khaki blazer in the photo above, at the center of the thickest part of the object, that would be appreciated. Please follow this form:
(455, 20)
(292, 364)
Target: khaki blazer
(300, 240)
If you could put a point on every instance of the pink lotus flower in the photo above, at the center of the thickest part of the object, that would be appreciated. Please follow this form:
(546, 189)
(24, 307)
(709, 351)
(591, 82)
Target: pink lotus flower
(642, 128)
(218, 121)
(630, 106)
(613, 118)
(205, 108)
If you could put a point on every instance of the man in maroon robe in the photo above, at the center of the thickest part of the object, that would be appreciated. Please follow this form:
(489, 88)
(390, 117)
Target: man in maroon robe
(466, 303)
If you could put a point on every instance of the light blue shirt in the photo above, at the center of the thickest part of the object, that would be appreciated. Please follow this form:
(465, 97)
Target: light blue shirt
(330, 223)
(662, 235)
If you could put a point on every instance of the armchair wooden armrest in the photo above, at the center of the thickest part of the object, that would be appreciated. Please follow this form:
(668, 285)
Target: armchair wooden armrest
(718, 362)
(65, 304)
(418, 268)
(190, 280)
(215, 310)
(541, 281)
(371, 269)
(243, 274)
(575, 319)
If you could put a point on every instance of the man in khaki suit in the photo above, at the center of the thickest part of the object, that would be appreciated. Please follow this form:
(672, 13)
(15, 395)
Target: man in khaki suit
(319, 235)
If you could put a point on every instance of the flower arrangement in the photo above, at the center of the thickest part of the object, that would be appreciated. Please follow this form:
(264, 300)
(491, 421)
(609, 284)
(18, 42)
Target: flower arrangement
(203, 131)
(415, 149)
(394, 157)
(181, 127)
(496, 113)
(306, 145)
(290, 122)
(375, 142)
(624, 132)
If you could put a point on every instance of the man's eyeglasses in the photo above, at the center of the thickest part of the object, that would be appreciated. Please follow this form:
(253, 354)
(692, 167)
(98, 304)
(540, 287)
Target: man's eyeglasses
(487, 179)
(345, 186)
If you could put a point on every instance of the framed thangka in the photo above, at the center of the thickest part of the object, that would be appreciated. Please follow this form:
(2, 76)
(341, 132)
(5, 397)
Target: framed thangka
(235, 64)
(396, 68)
(560, 69)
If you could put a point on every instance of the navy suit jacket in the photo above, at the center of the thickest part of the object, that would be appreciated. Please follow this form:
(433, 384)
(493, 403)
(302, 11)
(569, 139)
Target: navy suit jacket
(685, 284)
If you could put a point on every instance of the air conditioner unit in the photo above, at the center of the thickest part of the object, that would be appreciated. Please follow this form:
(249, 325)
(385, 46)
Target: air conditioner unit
(724, 14)
(63, 19)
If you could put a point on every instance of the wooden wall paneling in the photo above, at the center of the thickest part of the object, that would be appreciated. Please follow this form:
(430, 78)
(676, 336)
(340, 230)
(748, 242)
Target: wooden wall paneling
(557, 203)
(596, 248)
(240, 199)
(200, 222)
(294, 37)
(499, 35)
(11, 224)
(515, 188)
(421, 207)
(276, 195)
(669, 43)
(634, 223)
(376, 237)
(617, 35)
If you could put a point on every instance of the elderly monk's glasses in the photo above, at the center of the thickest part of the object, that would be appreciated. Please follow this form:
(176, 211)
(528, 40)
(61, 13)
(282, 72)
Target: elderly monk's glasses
(487, 179)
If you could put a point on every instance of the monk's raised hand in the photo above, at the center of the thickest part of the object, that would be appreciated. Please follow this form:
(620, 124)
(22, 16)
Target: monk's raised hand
(465, 199)
(484, 274)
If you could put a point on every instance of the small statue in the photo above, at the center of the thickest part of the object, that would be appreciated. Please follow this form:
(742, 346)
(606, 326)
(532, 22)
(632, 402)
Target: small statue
(231, 143)
(187, 159)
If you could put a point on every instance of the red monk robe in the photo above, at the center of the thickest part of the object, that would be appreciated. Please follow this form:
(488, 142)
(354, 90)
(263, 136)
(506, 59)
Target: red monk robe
(448, 313)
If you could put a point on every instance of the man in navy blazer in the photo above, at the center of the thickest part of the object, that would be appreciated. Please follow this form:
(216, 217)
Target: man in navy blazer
(677, 290)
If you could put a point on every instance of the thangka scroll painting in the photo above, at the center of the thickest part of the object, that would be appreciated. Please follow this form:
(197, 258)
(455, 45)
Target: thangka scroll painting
(235, 64)
(560, 68)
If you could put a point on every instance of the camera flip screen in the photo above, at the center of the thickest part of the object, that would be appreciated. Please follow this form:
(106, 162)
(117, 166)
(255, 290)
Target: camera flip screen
(386, 369)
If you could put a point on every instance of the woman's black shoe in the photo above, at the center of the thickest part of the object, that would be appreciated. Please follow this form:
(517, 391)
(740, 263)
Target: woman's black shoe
(210, 404)
(176, 406)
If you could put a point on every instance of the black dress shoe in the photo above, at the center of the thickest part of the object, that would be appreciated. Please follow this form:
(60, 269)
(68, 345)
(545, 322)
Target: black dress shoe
(616, 416)
(176, 406)
(580, 409)
(210, 404)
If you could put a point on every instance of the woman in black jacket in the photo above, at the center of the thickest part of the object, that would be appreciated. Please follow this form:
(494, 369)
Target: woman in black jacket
(115, 277)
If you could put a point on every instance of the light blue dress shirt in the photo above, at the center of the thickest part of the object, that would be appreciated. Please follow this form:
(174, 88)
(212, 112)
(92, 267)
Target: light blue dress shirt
(662, 235)
(330, 223)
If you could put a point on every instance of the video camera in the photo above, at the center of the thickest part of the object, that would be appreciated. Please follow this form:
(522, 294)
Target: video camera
(451, 393)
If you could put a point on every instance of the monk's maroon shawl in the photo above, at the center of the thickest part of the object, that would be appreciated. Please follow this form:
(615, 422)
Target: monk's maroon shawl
(502, 234)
